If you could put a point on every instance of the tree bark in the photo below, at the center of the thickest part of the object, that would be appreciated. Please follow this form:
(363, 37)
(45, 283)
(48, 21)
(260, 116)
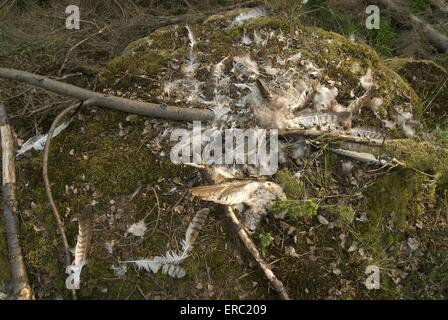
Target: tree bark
(21, 288)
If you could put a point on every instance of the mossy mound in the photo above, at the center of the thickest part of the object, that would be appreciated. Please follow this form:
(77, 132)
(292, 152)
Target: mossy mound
(149, 63)
(430, 82)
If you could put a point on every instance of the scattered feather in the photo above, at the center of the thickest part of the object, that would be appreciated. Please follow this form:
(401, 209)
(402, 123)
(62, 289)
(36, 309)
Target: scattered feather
(255, 195)
(110, 246)
(322, 220)
(120, 270)
(366, 81)
(248, 15)
(193, 229)
(290, 251)
(228, 193)
(245, 40)
(137, 229)
(359, 156)
(369, 133)
(413, 244)
(259, 41)
(347, 166)
(324, 98)
(220, 174)
(190, 67)
(219, 72)
(191, 37)
(295, 58)
(38, 142)
(85, 226)
(408, 130)
(300, 150)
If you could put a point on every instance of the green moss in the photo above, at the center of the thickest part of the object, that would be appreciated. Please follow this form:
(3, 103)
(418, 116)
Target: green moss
(265, 242)
(391, 200)
(421, 155)
(418, 6)
(430, 82)
(291, 186)
(346, 214)
(295, 209)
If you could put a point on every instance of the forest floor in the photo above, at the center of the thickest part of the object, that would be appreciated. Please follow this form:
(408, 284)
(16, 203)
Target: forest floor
(120, 162)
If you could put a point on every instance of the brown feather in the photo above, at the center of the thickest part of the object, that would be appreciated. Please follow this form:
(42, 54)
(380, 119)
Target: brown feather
(85, 230)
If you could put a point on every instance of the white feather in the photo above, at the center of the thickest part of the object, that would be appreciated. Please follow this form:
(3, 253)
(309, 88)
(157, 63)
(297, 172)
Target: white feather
(366, 81)
(247, 63)
(191, 37)
(245, 40)
(295, 58)
(38, 142)
(73, 281)
(191, 66)
(137, 229)
(324, 98)
(259, 41)
(218, 74)
(248, 15)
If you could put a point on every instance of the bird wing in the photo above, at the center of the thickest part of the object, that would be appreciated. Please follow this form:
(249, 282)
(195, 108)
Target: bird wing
(227, 193)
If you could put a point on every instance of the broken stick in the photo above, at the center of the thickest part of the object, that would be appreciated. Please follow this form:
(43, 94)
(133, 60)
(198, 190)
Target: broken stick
(21, 288)
(272, 279)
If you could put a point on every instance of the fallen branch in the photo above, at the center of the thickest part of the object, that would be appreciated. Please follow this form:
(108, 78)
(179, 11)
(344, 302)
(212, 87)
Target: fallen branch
(21, 287)
(272, 279)
(402, 15)
(108, 101)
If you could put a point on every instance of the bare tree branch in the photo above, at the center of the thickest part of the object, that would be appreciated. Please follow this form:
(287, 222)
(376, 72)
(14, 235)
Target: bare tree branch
(107, 101)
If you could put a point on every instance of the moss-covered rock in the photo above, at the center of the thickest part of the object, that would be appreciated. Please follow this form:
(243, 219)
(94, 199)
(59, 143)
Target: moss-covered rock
(149, 63)
(430, 82)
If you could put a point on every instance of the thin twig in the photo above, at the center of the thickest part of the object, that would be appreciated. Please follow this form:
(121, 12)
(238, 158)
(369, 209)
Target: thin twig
(74, 47)
(158, 209)
(59, 223)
